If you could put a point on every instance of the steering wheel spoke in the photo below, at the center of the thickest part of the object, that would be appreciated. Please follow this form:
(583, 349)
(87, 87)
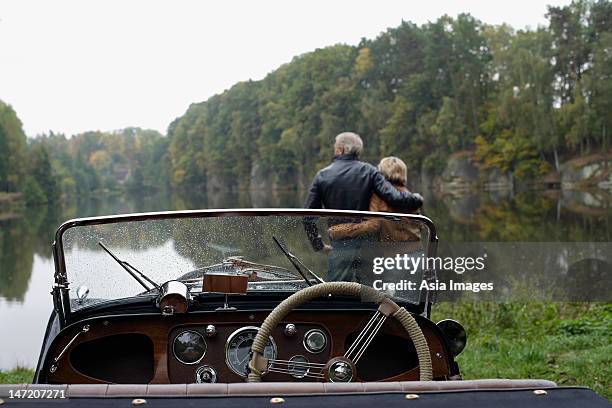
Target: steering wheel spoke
(365, 337)
(296, 368)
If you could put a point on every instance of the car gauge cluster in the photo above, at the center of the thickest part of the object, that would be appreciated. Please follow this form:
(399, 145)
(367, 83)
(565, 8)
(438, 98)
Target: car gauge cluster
(209, 353)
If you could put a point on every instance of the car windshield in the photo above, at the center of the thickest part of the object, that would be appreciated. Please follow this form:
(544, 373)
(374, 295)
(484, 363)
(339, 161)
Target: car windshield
(279, 252)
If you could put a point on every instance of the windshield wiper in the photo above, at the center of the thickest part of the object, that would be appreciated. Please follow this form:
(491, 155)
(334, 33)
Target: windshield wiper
(130, 269)
(297, 264)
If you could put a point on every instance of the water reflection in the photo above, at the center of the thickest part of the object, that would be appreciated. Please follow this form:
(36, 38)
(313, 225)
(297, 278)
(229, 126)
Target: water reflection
(21, 236)
(543, 216)
(26, 235)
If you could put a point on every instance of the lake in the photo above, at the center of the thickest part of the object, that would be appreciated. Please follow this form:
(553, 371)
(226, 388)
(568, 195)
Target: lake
(26, 265)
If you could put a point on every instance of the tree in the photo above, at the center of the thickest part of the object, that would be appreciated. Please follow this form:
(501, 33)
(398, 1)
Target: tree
(363, 62)
(136, 180)
(449, 130)
(599, 81)
(32, 192)
(13, 149)
(43, 173)
(567, 27)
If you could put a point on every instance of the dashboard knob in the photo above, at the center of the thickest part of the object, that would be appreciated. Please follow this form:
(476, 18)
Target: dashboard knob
(290, 330)
(206, 375)
(210, 330)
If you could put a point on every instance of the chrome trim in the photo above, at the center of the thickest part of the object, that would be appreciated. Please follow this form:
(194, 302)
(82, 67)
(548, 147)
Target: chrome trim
(237, 332)
(53, 367)
(306, 336)
(169, 289)
(290, 330)
(210, 330)
(108, 219)
(203, 354)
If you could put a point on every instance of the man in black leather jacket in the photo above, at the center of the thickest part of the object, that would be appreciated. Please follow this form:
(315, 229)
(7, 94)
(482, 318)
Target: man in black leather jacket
(348, 184)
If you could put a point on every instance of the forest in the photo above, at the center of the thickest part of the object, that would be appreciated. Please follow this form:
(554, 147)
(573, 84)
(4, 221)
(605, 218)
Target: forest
(522, 101)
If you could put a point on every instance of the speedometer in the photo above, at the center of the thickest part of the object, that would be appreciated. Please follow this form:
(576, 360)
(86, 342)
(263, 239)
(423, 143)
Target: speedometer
(238, 349)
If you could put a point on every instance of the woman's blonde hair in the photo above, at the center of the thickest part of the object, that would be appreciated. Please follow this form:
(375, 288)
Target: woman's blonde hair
(394, 170)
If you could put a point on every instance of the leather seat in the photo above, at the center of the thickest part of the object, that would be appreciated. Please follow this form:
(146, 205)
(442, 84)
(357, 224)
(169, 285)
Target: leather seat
(276, 389)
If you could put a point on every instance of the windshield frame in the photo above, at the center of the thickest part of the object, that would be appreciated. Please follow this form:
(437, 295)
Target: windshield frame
(60, 292)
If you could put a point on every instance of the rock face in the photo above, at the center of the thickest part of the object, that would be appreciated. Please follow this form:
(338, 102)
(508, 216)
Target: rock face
(215, 183)
(266, 190)
(463, 174)
(460, 174)
(260, 178)
(584, 172)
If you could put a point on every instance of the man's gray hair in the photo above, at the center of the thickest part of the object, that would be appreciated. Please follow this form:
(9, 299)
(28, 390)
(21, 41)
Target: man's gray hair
(350, 143)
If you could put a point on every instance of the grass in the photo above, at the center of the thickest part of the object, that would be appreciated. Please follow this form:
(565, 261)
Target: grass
(569, 343)
(17, 375)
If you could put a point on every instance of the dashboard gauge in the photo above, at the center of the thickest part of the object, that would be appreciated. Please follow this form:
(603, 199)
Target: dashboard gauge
(238, 349)
(189, 347)
(315, 341)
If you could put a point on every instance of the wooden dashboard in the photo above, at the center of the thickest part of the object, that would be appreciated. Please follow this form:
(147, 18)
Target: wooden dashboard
(139, 348)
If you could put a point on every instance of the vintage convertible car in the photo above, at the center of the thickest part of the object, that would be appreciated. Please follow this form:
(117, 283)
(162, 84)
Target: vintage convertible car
(175, 307)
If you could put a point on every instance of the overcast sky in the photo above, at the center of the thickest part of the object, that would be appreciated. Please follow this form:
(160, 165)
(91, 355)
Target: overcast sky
(71, 66)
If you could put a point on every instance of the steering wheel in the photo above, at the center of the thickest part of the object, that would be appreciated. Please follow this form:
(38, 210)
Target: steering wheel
(339, 368)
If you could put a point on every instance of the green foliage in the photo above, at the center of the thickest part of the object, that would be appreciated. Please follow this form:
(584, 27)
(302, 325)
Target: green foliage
(133, 158)
(13, 150)
(585, 326)
(51, 166)
(510, 153)
(43, 173)
(363, 62)
(32, 192)
(569, 343)
(18, 375)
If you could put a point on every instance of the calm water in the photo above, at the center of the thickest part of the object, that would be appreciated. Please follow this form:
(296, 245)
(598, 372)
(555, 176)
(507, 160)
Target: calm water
(26, 266)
